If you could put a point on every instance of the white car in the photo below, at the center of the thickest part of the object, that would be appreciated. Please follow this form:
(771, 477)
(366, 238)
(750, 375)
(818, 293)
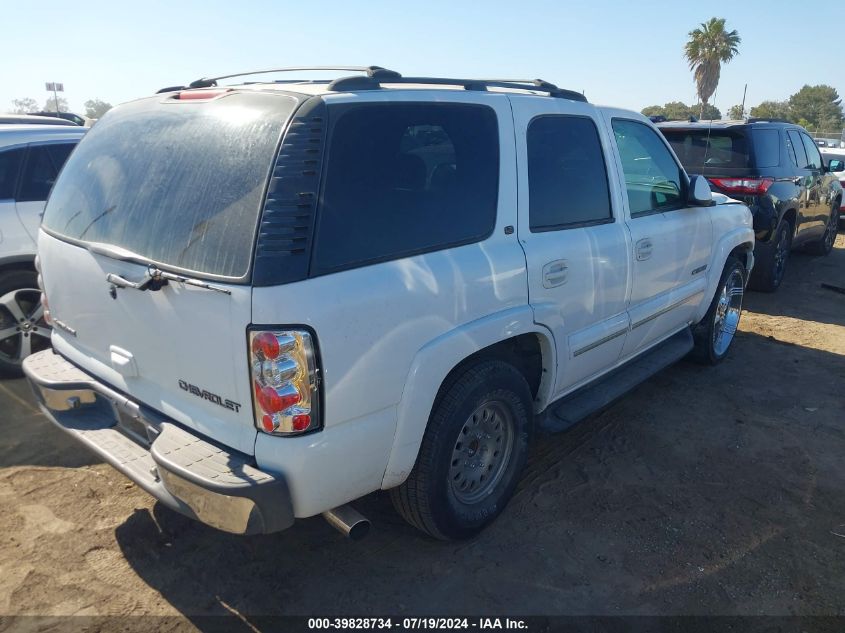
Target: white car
(30, 158)
(271, 299)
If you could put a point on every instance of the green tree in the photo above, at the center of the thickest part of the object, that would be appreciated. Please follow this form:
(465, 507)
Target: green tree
(677, 111)
(709, 112)
(817, 107)
(653, 110)
(51, 106)
(736, 112)
(708, 47)
(96, 108)
(772, 110)
(24, 106)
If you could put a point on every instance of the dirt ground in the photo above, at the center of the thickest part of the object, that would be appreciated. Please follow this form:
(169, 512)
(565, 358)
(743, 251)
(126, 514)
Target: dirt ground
(705, 491)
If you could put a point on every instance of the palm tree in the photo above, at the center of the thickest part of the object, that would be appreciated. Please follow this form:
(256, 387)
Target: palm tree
(709, 47)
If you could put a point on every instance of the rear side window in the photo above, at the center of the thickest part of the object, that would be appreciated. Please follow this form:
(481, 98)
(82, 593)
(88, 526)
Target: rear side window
(654, 181)
(700, 150)
(403, 179)
(766, 148)
(567, 177)
(39, 174)
(10, 164)
(798, 148)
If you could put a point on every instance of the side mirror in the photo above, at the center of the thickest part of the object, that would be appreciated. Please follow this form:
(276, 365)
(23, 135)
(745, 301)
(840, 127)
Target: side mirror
(836, 166)
(699, 192)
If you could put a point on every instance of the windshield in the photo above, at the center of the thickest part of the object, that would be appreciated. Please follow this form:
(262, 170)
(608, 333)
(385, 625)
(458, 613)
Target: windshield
(178, 183)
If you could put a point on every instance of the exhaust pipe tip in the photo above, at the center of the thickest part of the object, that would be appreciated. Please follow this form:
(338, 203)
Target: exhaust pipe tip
(348, 521)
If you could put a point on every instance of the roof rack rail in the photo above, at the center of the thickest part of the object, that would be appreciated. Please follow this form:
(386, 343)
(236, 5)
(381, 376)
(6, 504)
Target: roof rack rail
(766, 119)
(374, 82)
(370, 71)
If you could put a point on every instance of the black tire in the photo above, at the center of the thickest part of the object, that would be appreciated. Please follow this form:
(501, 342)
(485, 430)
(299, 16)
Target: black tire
(708, 348)
(22, 287)
(825, 245)
(771, 260)
(431, 499)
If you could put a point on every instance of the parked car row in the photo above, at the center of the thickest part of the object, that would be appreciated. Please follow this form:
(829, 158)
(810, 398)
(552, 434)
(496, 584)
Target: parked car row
(31, 157)
(776, 169)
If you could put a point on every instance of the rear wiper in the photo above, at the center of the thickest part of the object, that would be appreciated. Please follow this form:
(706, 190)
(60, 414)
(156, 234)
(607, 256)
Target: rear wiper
(154, 278)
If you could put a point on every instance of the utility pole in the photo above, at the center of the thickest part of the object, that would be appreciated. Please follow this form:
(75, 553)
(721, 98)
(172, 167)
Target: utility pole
(744, 90)
(55, 88)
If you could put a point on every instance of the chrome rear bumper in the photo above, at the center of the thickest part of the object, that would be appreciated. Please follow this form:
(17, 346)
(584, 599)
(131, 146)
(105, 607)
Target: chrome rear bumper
(190, 474)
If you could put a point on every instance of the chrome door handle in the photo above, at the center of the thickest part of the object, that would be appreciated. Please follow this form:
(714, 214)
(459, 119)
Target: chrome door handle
(555, 273)
(644, 247)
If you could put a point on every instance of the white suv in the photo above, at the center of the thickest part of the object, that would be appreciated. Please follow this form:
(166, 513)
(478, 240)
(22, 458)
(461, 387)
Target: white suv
(272, 299)
(30, 158)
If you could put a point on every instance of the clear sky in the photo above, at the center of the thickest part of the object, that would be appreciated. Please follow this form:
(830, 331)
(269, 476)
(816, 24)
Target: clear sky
(620, 52)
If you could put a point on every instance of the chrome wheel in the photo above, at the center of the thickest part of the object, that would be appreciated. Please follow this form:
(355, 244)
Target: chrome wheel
(22, 326)
(727, 312)
(481, 453)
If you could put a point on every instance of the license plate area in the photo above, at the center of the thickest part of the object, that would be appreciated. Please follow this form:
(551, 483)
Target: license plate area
(135, 426)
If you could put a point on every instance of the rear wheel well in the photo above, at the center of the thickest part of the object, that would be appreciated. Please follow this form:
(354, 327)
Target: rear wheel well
(742, 253)
(790, 217)
(524, 352)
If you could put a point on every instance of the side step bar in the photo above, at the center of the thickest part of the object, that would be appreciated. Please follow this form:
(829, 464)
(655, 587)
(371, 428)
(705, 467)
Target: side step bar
(591, 399)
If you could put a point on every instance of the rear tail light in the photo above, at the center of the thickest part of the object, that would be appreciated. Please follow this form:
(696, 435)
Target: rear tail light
(284, 381)
(747, 186)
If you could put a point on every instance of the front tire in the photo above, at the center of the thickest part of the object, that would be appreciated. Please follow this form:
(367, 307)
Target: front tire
(715, 332)
(23, 330)
(472, 454)
(825, 245)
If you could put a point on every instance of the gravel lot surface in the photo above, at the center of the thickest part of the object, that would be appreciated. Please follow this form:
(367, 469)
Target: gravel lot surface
(704, 491)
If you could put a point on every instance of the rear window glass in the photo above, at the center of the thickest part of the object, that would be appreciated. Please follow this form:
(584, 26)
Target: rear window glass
(766, 148)
(178, 183)
(403, 179)
(700, 150)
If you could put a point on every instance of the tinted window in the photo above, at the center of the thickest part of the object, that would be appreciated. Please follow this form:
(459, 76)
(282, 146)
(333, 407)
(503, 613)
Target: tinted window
(699, 150)
(402, 179)
(766, 148)
(10, 163)
(798, 148)
(814, 159)
(181, 184)
(59, 152)
(655, 182)
(39, 174)
(567, 178)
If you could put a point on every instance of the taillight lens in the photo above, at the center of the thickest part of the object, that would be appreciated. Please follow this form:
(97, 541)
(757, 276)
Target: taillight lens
(747, 186)
(284, 381)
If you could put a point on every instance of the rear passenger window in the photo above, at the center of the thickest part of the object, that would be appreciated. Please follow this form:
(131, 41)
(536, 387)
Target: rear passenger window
(567, 177)
(766, 148)
(404, 179)
(39, 174)
(10, 164)
(654, 181)
(798, 148)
